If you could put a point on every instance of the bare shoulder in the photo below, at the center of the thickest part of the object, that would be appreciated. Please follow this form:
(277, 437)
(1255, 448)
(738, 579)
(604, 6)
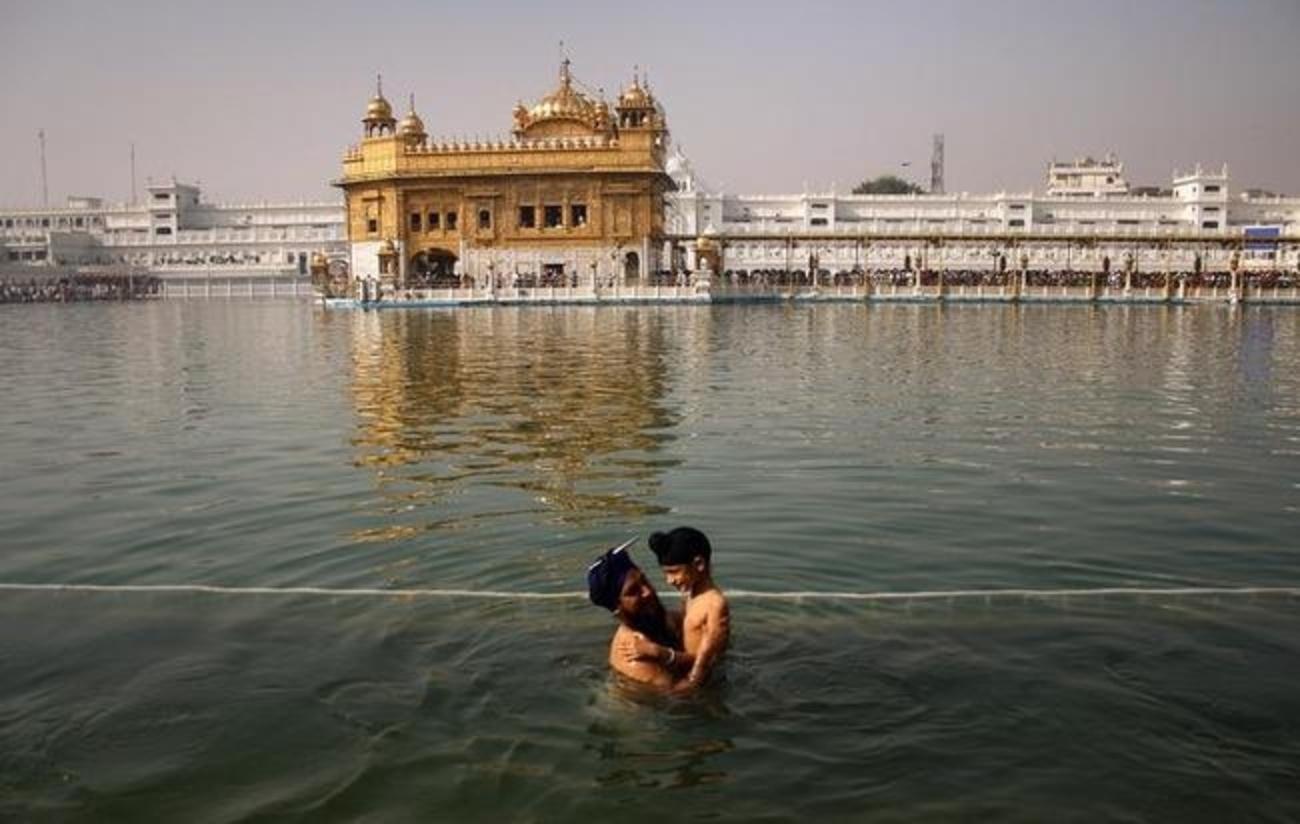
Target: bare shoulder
(709, 609)
(712, 602)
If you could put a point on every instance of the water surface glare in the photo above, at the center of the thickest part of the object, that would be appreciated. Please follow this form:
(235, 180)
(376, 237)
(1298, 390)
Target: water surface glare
(263, 561)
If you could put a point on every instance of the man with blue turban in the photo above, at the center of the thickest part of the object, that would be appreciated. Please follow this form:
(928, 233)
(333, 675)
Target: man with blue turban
(616, 583)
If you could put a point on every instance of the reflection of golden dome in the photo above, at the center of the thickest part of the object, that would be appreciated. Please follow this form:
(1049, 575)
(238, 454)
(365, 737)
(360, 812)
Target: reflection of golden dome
(565, 103)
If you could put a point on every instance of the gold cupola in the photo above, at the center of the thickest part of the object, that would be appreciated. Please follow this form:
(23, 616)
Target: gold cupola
(634, 96)
(637, 108)
(411, 129)
(379, 119)
(565, 112)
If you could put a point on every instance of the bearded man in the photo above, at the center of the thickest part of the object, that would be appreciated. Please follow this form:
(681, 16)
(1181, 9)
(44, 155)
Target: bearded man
(616, 583)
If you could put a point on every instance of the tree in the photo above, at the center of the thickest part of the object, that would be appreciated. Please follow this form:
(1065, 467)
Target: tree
(887, 185)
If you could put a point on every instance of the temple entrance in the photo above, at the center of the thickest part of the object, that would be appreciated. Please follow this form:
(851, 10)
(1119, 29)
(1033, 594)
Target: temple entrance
(553, 275)
(631, 267)
(432, 269)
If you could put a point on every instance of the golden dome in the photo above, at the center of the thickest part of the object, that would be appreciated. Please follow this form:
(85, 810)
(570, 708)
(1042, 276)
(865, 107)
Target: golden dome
(379, 108)
(635, 97)
(565, 103)
(411, 125)
(387, 248)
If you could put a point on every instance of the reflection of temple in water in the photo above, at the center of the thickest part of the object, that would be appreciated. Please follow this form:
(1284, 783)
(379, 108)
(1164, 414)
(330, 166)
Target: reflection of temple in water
(465, 410)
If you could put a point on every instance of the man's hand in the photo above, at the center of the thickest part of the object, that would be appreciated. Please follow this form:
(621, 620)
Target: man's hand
(636, 647)
(686, 686)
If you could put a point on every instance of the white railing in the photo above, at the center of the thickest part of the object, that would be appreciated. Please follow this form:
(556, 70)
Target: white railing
(259, 286)
(547, 294)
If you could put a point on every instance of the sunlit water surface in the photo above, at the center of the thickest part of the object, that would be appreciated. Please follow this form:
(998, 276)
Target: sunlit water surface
(830, 448)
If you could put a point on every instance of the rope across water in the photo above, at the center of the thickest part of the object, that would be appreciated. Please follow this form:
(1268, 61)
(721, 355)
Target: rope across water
(1023, 594)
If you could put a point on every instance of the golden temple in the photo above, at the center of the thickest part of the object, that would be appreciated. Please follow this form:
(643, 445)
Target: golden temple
(575, 195)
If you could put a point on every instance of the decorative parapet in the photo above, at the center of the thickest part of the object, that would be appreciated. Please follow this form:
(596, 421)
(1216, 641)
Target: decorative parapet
(378, 159)
(462, 146)
(537, 144)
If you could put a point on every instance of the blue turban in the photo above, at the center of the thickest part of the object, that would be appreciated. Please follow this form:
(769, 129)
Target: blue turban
(605, 577)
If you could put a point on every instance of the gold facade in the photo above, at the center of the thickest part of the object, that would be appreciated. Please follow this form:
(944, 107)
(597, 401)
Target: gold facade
(577, 190)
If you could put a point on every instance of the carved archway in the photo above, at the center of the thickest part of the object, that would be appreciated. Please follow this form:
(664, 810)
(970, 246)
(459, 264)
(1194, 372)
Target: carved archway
(432, 269)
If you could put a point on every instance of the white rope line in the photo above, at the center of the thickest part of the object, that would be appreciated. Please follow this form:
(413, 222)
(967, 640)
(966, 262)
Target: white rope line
(329, 592)
(957, 594)
(794, 595)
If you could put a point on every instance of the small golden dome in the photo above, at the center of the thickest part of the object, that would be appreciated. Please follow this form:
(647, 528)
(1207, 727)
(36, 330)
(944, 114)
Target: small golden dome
(635, 97)
(379, 108)
(387, 248)
(411, 125)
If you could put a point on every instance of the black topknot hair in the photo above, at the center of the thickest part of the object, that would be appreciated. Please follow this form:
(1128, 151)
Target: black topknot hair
(680, 546)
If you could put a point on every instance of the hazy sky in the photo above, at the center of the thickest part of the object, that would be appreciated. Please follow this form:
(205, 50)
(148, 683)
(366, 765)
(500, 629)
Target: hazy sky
(257, 100)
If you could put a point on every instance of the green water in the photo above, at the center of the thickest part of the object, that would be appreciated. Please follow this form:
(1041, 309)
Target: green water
(823, 448)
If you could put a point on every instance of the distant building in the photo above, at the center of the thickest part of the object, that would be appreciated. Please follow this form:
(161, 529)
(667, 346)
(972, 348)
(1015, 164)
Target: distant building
(575, 192)
(582, 192)
(1088, 214)
(1087, 177)
(172, 232)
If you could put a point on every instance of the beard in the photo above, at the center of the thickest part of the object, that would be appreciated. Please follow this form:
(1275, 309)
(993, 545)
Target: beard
(652, 622)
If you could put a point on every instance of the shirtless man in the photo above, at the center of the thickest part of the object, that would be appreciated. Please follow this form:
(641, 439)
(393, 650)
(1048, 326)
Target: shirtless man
(686, 559)
(617, 584)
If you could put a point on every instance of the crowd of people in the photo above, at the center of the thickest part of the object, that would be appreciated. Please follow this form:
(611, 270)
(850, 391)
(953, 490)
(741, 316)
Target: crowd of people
(899, 277)
(769, 278)
(204, 259)
(78, 288)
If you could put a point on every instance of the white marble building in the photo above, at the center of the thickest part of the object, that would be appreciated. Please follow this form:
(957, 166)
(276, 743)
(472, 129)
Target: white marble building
(173, 231)
(1084, 198)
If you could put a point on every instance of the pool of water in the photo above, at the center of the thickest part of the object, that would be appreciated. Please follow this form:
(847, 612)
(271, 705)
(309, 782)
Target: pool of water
(838, 448)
